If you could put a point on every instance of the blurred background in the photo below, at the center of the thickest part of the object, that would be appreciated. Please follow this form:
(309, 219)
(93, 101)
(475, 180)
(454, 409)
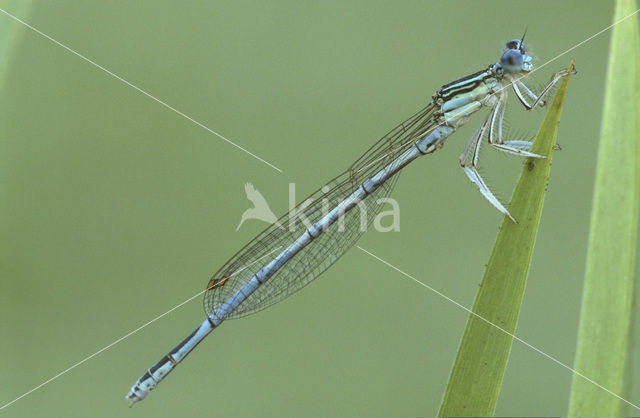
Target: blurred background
(114, 209)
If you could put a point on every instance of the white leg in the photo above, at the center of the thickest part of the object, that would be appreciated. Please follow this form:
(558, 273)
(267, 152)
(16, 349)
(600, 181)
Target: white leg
(554, 79)
(529, 93)
(518, 93)
(469, 163)
(537, 101)
(520, 148)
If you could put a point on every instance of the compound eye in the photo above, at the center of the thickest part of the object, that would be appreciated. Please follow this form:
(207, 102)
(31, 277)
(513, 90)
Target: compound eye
(512, 60)
(512, 44)
(515, 44)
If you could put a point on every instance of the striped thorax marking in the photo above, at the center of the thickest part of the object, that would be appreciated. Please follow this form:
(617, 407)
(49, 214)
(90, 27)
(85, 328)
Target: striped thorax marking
(463, 84)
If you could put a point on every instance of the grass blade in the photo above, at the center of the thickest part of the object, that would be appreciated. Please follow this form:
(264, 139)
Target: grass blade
(609, 280)
(477, 373)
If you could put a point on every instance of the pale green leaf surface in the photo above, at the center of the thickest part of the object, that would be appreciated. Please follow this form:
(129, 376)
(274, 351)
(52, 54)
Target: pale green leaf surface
(609, 281)
(477, 373)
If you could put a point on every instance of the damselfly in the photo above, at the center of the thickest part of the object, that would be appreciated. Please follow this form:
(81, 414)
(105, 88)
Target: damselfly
(288, 254)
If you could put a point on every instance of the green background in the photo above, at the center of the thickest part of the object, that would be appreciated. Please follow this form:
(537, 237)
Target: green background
(114, 209)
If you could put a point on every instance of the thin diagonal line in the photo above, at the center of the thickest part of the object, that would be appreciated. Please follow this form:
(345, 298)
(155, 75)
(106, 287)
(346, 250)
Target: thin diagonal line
(459, 305)
(99, 351)
(587, 40)
(149, 95)
(395, 268)
(393, 149)
(129, 334)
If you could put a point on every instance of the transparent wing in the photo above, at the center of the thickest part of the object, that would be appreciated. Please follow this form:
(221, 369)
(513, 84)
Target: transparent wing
(324, 250)
(394, 143)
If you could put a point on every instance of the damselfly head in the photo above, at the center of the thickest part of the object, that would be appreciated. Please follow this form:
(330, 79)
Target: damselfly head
(515, 58)
(515, 44)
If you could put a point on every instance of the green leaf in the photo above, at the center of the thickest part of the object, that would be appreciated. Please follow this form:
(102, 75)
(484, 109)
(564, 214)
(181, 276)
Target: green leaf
(482, 356)
(603, 341)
